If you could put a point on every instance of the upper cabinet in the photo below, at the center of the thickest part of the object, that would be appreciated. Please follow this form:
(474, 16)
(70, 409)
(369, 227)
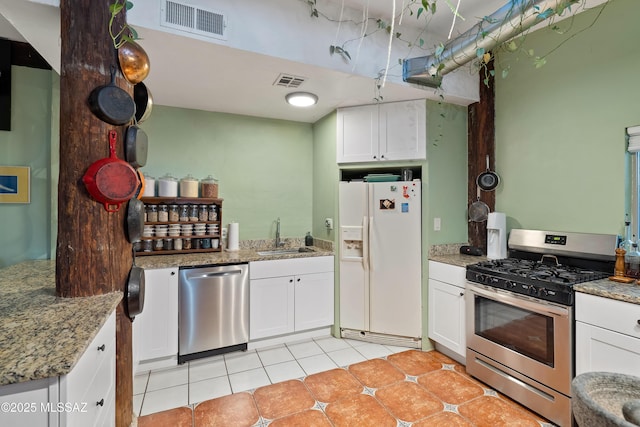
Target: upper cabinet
(382, 132)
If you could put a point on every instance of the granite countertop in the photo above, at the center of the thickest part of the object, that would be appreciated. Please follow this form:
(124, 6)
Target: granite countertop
(457, 259)
(245, 254)
(609, 289)
(41, 335)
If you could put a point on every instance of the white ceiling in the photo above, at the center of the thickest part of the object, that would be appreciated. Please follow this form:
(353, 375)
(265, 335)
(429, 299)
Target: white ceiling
(193, 73)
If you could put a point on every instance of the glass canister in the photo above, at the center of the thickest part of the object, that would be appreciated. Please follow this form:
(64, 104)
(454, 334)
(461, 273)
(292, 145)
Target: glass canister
(209, 187)
(149, 186)
(167, 186)
(213, 213)
(189, 186)
(152, 213)
(174, 213)
(203, 213)
(163, 213)
(184, 213)
(193, 213)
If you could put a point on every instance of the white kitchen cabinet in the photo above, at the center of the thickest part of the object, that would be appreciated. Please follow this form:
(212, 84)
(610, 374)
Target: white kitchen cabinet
(84, 397)
(92, 381)
(290, 295)
(155, 330)
(382, 132)
(607, 335)
(447, 307)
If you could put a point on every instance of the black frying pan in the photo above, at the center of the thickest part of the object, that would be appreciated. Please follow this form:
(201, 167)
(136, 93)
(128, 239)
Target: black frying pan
(135, 220)
(134, 294)
(136, 146)
(112, 104)
(488, 180)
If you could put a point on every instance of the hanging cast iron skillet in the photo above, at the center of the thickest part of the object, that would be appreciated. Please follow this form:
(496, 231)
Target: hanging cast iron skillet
(143, 102)
(136, 146)
(478, 210)
(135, 220)
(112, 104)
(134, 294)
(111, 181)
(488, 180)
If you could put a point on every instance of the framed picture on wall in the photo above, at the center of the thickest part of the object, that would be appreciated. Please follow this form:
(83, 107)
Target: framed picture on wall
(15, 185)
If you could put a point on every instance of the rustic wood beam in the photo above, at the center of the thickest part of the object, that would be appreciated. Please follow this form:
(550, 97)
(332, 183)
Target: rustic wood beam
(92, 255)
(481, 142)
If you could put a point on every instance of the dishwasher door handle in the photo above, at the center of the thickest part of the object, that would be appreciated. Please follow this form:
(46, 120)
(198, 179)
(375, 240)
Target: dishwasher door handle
(216, 274)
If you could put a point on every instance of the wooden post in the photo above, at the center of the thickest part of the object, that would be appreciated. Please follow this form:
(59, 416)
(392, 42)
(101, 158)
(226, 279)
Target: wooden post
(92, 255)
(481, 142)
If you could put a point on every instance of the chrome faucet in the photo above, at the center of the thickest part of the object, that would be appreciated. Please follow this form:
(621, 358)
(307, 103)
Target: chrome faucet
(278, 242)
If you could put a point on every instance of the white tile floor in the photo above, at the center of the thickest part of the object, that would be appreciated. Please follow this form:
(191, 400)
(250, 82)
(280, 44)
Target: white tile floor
(216, 376)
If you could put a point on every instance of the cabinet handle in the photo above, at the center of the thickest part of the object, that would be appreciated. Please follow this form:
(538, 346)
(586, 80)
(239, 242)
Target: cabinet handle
(382, 157)
(638, 321)
(375, 157)
(101, 348)
(298, 279)
(100, 402)
(461, 294)
(173, 273)
(290, 280)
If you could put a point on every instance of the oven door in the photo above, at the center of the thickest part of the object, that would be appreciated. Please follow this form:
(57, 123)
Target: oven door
(527, 335)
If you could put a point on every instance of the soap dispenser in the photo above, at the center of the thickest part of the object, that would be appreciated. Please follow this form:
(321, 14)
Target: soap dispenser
(308, 240)
(632, 261)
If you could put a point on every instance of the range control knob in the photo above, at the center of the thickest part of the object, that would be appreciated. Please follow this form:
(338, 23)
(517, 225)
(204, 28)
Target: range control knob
(532, 290)
(510, 284)
(543, 292)
(480, 278)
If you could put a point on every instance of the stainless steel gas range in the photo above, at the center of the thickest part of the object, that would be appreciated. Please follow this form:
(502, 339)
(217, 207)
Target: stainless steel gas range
(519, 313)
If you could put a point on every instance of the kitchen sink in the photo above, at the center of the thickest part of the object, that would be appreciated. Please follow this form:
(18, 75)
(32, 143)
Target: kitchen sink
(285, 251)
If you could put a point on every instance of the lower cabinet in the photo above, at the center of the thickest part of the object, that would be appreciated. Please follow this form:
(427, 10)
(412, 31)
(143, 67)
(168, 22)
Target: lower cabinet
(155, 330)
(290, 295)
(607, 335)
(84, 397)
(447, 307)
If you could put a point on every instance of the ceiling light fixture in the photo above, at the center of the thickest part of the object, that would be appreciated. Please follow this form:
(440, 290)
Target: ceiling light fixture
(301, 99)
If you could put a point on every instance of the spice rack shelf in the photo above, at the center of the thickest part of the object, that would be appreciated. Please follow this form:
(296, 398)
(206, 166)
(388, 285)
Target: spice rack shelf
(148, 245)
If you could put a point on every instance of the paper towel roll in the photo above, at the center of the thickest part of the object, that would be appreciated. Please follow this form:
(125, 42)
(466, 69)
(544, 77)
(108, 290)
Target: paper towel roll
(233, 234)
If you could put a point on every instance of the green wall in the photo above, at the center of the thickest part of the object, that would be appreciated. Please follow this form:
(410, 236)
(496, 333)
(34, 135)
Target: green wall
(26, 229)
(560, 129)
(264, 166)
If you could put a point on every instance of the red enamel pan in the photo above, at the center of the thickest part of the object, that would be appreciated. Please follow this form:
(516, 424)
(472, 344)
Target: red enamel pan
(111, 181)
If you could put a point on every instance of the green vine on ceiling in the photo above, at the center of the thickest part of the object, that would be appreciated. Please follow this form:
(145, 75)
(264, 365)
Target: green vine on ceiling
(425, 10)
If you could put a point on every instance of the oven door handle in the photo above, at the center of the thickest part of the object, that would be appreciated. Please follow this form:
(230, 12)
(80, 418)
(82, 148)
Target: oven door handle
(538, 307)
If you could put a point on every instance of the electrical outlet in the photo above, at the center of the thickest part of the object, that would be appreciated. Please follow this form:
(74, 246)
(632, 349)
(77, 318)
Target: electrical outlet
(328, 222)
(436, 224)
(224, 232)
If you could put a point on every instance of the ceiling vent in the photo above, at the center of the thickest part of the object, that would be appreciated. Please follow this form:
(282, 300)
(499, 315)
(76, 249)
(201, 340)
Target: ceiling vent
(195, 20)
(288, 80)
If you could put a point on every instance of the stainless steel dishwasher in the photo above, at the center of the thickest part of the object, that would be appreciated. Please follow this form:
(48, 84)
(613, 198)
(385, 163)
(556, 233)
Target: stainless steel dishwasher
(213, 310)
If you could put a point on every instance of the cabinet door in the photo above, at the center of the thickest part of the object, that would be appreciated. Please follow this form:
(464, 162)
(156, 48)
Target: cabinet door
(313, 301)
(26, 403)
(155, 330)
(271, 305)
(599, 349)
(447, 316)
(357, 134)
(403, 130)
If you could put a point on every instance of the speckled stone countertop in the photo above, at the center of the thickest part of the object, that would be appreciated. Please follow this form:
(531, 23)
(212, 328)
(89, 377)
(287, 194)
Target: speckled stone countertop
(42, 336)
(609, 289)
(450, 254)
(248, 252)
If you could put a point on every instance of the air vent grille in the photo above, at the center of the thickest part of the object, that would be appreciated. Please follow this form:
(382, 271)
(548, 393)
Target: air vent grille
(290, 81)
(194, 20)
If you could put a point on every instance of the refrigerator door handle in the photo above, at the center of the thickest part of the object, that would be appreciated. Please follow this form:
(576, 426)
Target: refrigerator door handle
(369, 238)
(365, 243)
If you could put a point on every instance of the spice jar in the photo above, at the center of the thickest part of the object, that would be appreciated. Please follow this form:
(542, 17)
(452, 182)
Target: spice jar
(174, 215)
(186, 244)
(152, 213)
(203, 214)
(189, 186)
(147, 245)
(213, 213)
(163, 213)
(167, 186)
(158, 245)
(209, 187)
(193, 213)
(184, 213)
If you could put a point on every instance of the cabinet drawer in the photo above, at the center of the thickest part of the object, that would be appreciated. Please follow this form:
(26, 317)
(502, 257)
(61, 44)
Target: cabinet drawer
(290, 267)
(447, 273)
(615, 315)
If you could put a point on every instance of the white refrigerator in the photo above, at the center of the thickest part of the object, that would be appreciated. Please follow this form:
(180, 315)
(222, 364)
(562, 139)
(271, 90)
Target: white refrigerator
(381, 261)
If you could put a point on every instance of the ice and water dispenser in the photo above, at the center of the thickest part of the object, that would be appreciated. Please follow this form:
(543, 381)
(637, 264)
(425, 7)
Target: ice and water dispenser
(351, 246)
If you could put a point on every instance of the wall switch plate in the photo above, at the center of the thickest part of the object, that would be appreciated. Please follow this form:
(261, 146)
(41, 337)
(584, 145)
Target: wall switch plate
(328, 222)
(436, 224)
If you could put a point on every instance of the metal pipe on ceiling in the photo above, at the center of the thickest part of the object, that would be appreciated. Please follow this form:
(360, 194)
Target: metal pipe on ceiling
(512, 19)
